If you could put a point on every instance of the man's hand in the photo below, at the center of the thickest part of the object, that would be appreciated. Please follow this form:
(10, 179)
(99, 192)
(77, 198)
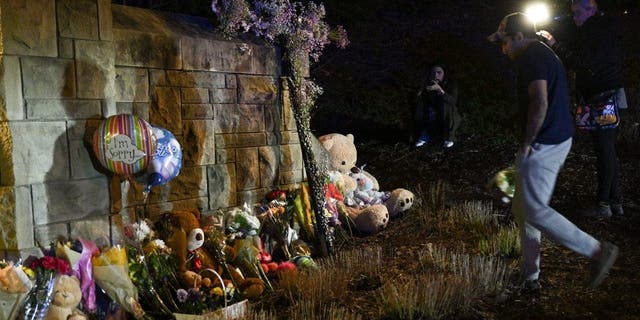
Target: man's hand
(548, 37)
(435, 87)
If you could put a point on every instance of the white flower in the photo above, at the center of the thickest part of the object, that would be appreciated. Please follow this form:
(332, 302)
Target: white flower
(141, 230)
(159, 243)
(144, 227)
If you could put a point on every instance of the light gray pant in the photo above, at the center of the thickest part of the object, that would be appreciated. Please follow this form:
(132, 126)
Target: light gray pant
(535, 181)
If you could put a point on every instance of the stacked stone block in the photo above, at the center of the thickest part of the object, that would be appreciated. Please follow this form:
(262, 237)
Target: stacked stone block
(67, 64)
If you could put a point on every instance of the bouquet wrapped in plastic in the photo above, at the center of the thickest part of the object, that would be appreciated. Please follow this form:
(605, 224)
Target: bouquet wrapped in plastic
(111, 273)
(505, 182)
(151, 269)
(46, 270)
(82, 268)
(14, 286)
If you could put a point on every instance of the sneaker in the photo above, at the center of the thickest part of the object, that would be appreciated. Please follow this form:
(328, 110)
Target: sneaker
(447, 144)
(422, 141)
(617, 210)
(600, 268)
(531, 287)
(602, 210)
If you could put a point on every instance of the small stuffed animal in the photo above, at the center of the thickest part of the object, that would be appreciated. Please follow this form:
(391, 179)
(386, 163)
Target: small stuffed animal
(365, 195)
(399, 201)
(66, 297)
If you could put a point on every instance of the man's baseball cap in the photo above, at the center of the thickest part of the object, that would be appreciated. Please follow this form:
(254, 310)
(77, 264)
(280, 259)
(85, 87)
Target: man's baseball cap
(510, 24)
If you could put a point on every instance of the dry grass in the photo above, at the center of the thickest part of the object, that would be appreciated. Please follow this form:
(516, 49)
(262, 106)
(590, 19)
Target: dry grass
(330, 283)
(429, 201)
(504, 243)
(306, 310)
(432, 296)
(445, 283)
(483, 275)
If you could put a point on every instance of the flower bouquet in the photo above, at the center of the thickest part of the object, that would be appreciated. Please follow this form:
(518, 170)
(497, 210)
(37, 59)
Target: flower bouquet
(82, 268)
(39, 298)
(151, 269)
(505, 181)
(14, 285)
(111, 273)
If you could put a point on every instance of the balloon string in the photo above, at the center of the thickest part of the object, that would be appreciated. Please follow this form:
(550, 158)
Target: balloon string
(145, 197)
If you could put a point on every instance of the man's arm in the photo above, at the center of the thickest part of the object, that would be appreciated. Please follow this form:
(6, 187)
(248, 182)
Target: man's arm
(536, 113)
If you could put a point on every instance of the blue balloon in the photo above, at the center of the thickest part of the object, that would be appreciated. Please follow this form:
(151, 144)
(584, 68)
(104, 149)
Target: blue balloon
(167, 159)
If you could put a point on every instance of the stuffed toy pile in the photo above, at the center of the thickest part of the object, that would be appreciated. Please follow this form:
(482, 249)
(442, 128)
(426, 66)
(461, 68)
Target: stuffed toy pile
(186, 241)
(367, 207)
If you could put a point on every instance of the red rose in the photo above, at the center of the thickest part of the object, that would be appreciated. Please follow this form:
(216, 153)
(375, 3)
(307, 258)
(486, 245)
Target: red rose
(48, 262)
(34, 264)
(62, 266)
(276, 194)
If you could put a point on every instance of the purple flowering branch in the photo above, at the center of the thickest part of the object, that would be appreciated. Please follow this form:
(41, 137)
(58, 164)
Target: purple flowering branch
(303, 25)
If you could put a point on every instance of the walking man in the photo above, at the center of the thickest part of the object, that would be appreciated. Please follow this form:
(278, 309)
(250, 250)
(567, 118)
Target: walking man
(546, 137)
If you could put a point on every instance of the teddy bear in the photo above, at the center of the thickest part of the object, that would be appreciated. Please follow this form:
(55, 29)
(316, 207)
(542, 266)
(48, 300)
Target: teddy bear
(367, 220)
(185, 237)
(400, 200)
(186, 241)
(66, 297)
(342, 157)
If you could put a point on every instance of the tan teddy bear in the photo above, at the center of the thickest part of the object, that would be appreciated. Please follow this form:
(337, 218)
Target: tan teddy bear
(399, 201)
(369, 220)
(66, 297)
(342, 155)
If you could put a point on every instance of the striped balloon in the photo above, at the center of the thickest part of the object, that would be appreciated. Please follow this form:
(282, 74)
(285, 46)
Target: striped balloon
(124, 144)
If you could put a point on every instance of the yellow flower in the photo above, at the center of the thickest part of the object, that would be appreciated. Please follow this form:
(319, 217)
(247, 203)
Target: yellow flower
(217, 291)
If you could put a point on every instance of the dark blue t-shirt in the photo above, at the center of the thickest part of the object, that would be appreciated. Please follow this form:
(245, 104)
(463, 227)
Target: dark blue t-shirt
(539, 62)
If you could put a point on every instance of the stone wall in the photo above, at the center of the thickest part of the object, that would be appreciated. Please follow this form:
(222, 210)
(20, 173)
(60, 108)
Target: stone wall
(67, 64)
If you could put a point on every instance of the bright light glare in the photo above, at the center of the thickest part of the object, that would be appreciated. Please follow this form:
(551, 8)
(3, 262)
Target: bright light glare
(538, 13)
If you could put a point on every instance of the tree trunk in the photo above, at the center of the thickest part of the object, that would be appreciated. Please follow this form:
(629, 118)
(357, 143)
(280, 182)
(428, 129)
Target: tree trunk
(301, 105)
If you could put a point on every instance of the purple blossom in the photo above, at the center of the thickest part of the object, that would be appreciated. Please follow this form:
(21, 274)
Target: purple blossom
(214, 7)
(271, 19)
(182, 295)
(194, 294)
(339, 36)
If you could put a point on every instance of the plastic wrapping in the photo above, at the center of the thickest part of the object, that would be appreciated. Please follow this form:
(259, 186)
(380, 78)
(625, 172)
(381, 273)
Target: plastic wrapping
(111, 273)
(14, 286)
(39, 297)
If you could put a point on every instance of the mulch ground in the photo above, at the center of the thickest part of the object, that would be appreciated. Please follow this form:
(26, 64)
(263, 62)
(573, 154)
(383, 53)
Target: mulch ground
(465, 170)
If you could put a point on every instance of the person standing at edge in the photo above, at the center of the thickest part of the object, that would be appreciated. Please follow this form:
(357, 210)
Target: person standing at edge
(543, 107)
(436, 113)
(596, 56)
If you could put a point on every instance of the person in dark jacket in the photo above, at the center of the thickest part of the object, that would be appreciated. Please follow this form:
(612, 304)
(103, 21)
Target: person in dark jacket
(437, 116)
(595, 54)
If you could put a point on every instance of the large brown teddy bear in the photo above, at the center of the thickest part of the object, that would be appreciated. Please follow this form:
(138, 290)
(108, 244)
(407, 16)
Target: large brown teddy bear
(187, 238)
(342, 157)
(66, 297)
